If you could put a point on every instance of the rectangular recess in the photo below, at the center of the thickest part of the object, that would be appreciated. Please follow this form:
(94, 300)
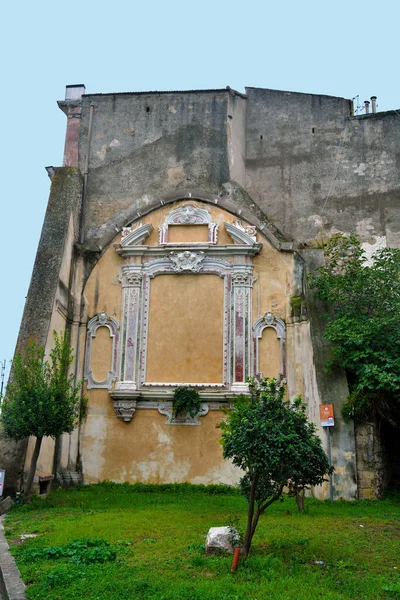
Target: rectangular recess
(178, 234)
(185, 331)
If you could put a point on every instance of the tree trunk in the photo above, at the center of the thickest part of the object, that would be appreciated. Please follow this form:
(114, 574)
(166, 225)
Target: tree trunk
(249, 529)
(299, 495)
(32, 469)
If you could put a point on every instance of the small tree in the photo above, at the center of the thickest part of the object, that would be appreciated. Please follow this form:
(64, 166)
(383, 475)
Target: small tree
(271, 439)
(41, 399)
(363, 324)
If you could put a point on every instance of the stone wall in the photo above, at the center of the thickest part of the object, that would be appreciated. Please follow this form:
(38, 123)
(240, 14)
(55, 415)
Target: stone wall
(371, 462)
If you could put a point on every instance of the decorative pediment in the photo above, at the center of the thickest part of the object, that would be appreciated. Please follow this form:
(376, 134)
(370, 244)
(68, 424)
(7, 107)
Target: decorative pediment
(133, 236)
(241, 234)
(189, 215)
(269, 320)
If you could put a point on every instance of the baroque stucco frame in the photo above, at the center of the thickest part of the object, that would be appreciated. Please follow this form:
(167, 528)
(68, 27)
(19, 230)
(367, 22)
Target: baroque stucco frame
(232, 262)
(101, 320)
(269, 320)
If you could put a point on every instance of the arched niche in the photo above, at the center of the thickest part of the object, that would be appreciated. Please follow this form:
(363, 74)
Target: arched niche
(266, 323)
(97, 358)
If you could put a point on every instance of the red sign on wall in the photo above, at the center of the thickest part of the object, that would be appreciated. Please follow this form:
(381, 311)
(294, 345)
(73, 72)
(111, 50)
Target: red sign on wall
(326, 415)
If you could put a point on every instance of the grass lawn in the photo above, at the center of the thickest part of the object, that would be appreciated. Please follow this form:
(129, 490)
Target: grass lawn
(147, 542)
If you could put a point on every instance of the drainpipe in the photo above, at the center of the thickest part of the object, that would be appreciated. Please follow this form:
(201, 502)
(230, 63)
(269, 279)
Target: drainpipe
(373, 100)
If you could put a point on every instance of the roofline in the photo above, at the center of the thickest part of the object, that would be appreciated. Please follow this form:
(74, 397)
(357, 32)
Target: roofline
(249, 87)
(228, 90)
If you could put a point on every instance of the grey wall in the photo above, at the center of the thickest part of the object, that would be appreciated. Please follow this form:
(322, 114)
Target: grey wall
(316, 170)
(144, 146)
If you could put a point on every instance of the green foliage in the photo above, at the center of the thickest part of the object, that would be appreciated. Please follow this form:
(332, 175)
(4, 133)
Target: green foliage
(360, 562)
(272, 441)
(363, 324)
(186, 401)
(83, 551)
(41, 399)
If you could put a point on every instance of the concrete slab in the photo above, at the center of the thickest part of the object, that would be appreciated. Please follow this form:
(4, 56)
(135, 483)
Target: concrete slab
(11, 585)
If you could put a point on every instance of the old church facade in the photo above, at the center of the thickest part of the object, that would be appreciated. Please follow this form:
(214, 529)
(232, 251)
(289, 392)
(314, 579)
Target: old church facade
(175, 248)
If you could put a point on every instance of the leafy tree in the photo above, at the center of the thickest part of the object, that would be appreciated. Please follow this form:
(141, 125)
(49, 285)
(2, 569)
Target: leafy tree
(41, 400)
(363, 324)
(275, 445)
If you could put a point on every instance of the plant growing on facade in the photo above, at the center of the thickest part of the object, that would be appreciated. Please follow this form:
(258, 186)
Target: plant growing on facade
(363, 324)
(272, 441)
(186, 401)
(42, 399)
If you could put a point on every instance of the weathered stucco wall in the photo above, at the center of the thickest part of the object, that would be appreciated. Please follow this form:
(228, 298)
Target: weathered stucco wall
(185, 324)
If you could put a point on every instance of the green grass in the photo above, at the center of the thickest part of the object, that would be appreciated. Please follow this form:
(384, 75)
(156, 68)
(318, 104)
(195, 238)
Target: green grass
(147, 542)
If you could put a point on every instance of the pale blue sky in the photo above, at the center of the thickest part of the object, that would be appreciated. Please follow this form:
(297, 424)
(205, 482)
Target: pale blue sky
(334, 48)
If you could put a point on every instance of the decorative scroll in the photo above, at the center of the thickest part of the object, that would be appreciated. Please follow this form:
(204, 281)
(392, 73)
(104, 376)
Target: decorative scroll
(101, 320)
(184, 419)
(189, 215)
(269, 320)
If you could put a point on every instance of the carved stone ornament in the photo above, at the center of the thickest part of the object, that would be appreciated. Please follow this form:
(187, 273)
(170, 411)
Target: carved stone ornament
(189, 215)
(241, 234)
(187, 261)
(269, 320)
(133, 278)
(166, 409)
(242, 278)
(125, 409)
(136, 234)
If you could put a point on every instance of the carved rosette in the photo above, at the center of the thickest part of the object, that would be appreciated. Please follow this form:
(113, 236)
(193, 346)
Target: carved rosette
(187, 261)
(166, 409)
(125, 409)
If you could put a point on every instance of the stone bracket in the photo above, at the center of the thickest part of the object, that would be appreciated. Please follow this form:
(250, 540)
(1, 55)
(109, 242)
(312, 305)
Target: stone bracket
(166, 409)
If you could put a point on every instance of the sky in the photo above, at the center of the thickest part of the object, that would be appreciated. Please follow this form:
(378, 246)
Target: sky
(335, 48)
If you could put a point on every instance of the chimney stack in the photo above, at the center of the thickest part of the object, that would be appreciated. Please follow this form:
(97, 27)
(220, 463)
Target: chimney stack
(373, 100)
(366, 106)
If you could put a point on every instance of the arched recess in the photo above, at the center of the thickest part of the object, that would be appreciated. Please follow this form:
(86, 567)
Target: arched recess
(266, 322)
(101, 320)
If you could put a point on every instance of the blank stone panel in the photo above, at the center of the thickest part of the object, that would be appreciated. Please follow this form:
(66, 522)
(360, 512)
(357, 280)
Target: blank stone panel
(185, 336)
(101, 354)
(269, 362)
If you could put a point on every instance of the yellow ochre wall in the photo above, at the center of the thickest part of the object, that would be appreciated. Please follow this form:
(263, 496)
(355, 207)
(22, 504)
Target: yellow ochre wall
(185, 311)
